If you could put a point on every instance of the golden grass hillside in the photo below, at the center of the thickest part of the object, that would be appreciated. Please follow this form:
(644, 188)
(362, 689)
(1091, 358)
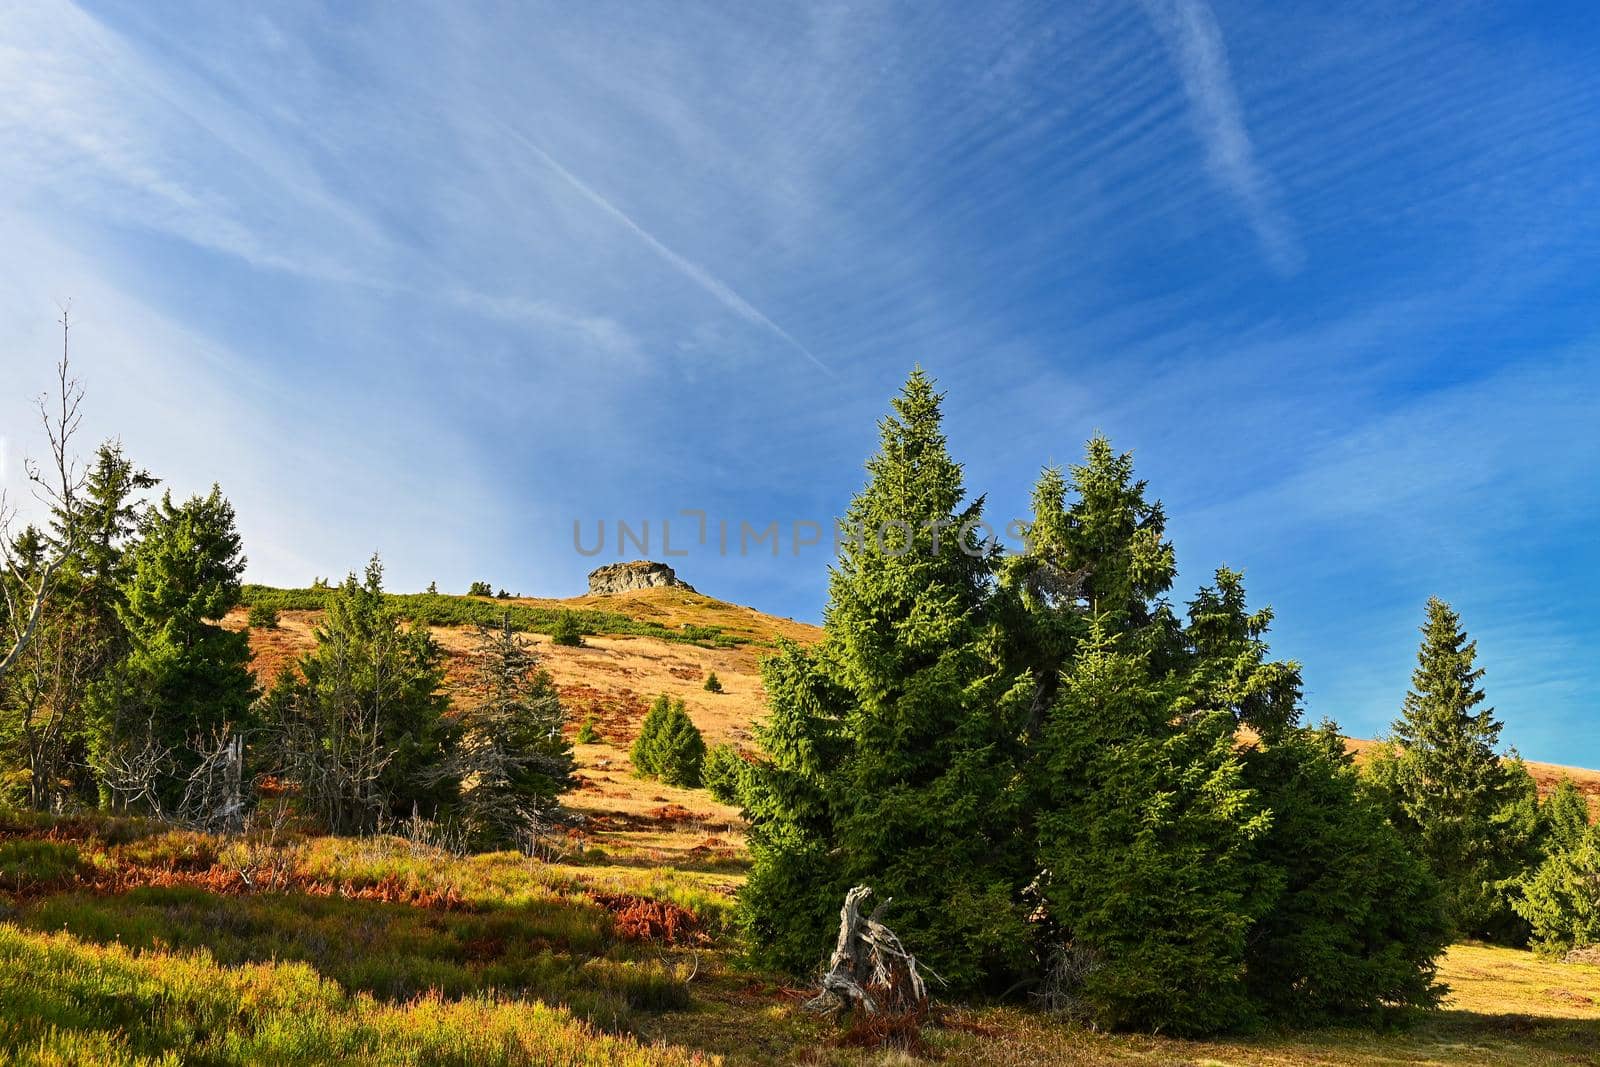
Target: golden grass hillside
(614, 677)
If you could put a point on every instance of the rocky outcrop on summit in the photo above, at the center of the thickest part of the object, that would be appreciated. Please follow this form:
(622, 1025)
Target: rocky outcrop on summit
(640, 574)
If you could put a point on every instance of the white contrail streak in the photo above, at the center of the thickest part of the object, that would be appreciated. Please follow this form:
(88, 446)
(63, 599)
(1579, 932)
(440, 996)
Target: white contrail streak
(695, 273)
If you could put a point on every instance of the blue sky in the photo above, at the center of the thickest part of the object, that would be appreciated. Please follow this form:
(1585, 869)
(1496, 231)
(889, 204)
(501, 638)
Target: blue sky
(439, 280)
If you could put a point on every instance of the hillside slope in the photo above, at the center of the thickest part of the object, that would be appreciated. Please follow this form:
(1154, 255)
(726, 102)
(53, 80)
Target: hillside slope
(613, 678)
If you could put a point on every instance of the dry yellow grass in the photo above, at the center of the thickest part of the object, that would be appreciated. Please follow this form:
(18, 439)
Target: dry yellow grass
(613, 679)
(675, 607)
(1497, 981)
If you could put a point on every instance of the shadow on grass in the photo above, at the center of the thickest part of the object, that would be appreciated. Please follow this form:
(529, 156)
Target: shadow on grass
(645, 859)
(1579, 1038)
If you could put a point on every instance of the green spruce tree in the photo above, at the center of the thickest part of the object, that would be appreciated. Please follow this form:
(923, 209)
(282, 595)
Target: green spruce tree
(566, 630)
(1354, 921)
(1149, 875)
(922, 803)
(724, 773)
(513, 760)
(1347, 922)
(795, 884)
(1561, 900)
(359, 722)
(1563, 817)
(106, 515)
(1469, 813)
(44, 722)
(185, 678)
(669, 745)
(1338, 919)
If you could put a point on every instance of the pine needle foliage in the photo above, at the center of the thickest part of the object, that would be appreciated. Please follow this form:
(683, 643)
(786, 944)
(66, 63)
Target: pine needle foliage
(184, 677)
(725, 773)
(359, 722)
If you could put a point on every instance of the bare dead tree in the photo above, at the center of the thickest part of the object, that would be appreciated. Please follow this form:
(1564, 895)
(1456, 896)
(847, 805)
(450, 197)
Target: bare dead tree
(213, 793)
(47, 689)
(266, 854)
(870, 971)
(423, 835)
(210, 796)
(57, 486)
(134, 776)
(1067, 968)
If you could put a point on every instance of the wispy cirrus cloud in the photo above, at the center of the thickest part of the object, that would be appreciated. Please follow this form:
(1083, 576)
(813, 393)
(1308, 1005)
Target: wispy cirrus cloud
(1191, 33)
(309, 244)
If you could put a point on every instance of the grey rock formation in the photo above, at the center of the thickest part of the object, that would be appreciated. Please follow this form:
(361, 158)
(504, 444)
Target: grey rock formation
(640, 574)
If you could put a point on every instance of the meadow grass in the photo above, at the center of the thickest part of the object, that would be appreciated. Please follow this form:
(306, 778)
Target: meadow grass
(510, 878)
(521, 964)
(63, 1001)
(561, 952)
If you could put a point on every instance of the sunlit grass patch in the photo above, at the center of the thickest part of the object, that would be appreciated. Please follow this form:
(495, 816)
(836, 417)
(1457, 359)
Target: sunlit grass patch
(562, 952)
(1494, 981)
(63, 1001)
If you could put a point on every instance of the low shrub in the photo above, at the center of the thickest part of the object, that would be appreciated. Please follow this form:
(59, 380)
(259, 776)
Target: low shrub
(669, 746)
(62, 1001)
(567, 630)
(263, 617)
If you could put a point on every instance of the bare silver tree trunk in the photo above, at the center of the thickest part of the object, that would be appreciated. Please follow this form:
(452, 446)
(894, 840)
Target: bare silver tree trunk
(23, 598)
(870, 970)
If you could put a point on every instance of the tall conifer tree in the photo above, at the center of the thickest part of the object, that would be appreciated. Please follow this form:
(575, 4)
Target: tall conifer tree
(513, 760)
(920, 803)
(1467, 811)
(1033, 788)
(359, 722)
(1147, 865)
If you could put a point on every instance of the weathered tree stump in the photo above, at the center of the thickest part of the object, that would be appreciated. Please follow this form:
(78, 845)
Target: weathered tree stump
(870, 972)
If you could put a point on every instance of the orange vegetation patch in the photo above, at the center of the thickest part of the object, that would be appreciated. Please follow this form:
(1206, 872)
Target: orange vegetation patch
(642, 919)
(677, 813)
(714, 848)
(617, 713)
(271, 650)
(122, 875)
(228, 881)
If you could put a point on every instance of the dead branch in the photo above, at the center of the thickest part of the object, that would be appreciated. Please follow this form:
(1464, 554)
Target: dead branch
(870, 970)
(23, 595)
